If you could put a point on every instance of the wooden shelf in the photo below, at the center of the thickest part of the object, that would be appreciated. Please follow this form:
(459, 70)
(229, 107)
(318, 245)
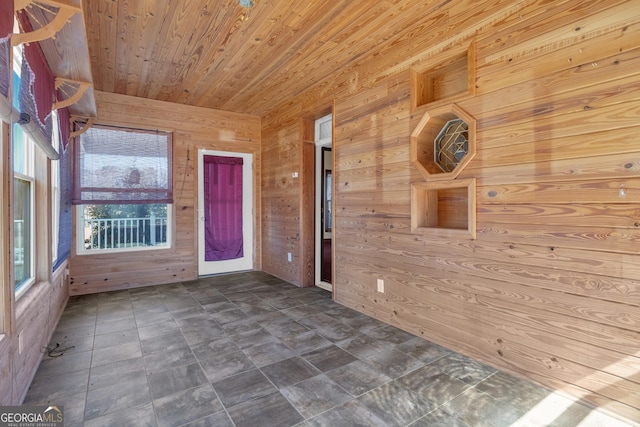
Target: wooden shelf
(446, 208)
(450, 79)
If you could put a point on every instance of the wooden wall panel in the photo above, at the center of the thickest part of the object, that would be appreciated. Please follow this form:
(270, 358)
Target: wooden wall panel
(549, 289)
(193, 128)
(37, 314)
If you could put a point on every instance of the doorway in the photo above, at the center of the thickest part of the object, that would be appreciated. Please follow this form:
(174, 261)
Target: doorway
(324, 202)
(225, 212)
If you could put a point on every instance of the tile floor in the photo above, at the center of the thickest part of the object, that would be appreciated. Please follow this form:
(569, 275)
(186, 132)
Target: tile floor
(251, 350)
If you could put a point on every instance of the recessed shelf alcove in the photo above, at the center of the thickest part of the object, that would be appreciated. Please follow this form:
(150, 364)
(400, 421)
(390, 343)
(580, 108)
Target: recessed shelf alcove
(452, 78)
(446, 208)
(443, 142)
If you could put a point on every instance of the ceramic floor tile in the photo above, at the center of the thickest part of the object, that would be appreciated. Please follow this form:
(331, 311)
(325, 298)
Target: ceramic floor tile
(363, 346)
(463, 368)
(391, 334)
(73, 408)
(285, 328)
(115, 373)
(140, 416)
(115, 326)
(507, 388)
(440, 418)
(479, 409)
(226, 365)
(289, 371)
(150, 319)
(269, 410)
(243, 387)
(70, 335)
(157, 329)
(65, 364)
(252, 338)
(171, 381)
(395, 404)
(51, 388)
(423, 350)
(363, 323)
(150, 355)
(219, 419)
(393, 363)
(171, 340)
(301, 312)
(116, 353)
(434, 385)
(170, 358)
(214, 348)
(266, 354)
(115, 338)
(315, 395)
(195, 335)
(187, 406)
(117, 397)
(306, 342)
(357, 378)
(228, 316)
(328, 358)
(352, 413)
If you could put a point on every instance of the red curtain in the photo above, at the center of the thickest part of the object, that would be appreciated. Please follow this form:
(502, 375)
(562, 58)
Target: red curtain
(223, 208)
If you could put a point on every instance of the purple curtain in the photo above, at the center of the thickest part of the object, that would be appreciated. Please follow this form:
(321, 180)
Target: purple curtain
(6, 28)
(223, 208)
(37, 84)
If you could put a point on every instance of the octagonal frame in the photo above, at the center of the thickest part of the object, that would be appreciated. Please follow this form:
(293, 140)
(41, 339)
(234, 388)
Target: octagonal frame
(423, 136)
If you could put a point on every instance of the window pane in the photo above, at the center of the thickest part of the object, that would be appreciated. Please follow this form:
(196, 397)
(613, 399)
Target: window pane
(125, 226)
(22, 232)
(55, 209)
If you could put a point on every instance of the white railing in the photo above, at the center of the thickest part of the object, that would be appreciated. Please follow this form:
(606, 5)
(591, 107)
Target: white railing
(116, 233)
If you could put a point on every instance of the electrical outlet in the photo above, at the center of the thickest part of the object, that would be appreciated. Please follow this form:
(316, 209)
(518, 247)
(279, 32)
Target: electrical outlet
(381, 286)
(294, 174)
(289, 256)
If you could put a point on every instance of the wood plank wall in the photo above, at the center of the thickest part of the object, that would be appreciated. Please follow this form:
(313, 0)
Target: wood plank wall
(37, 314)
(193, 128)
(550, 288)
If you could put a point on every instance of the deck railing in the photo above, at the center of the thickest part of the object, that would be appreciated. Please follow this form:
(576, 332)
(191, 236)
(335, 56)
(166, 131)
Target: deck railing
(116, 233)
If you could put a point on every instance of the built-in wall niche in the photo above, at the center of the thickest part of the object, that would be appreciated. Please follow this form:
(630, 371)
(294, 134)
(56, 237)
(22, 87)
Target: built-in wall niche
(451, 77)
(446, 208)
(443, 142)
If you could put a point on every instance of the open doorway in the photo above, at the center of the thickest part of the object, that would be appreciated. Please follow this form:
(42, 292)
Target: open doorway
(324, 202)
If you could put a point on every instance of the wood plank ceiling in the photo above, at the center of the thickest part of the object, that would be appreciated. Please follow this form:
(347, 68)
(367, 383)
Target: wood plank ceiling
(204, 53)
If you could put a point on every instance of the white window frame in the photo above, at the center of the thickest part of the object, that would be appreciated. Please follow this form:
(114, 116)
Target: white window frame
(55, 209)
(54, 185)
(25, 286)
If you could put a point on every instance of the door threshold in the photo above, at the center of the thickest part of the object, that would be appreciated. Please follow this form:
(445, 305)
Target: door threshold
(326, 286)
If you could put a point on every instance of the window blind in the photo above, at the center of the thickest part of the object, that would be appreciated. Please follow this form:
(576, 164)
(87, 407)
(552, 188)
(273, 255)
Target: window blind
(122, 166)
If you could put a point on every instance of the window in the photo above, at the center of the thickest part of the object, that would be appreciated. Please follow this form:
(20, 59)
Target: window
(123, 227)
(123, 189)
(23, 211)
(55, 194)
(55, 209)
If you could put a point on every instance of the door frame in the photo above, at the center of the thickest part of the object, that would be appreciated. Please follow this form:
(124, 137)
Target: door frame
(246, 262)
(319, 181)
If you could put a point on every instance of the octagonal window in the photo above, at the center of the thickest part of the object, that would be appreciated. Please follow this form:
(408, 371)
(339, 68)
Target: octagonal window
(443, 142)
(451, 144)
